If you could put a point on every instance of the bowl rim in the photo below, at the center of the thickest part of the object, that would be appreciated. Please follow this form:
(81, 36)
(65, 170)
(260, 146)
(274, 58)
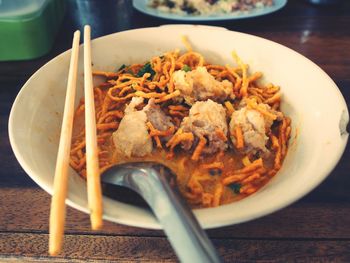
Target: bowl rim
(206, 224)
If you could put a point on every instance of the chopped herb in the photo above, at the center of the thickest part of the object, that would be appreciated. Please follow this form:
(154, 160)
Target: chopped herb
(235, 187)
(147, 68)
(188, 8)
(214, 172)
(169, 3)
(129, 71)
(186, 68)
(122, 67)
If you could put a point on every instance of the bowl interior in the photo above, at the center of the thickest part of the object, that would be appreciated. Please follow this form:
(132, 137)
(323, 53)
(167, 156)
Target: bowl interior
(310, 98)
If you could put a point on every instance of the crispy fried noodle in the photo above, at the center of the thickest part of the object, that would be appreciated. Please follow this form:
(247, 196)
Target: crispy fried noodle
(217, 126)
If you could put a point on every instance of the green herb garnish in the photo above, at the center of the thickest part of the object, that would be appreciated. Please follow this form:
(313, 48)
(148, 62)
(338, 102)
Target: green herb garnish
(235, 187)
(186, 68)
(147, 68)
(122, 67)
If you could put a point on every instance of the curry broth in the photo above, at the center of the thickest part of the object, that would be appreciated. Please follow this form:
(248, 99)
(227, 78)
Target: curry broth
(182, 165)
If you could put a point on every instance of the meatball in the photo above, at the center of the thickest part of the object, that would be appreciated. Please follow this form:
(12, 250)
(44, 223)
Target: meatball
(199, 85)
(254, 126)
(132, 138)
(207, 119)
(157, 117)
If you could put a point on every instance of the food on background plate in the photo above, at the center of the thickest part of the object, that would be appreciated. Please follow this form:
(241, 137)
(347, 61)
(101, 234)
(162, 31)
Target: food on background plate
(218, 127)
(207, 7)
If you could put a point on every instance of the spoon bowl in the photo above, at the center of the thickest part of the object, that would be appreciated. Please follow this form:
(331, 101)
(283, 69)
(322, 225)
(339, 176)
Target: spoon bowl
(156, 183)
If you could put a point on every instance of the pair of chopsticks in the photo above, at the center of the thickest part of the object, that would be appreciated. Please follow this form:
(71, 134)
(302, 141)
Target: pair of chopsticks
(57, 213)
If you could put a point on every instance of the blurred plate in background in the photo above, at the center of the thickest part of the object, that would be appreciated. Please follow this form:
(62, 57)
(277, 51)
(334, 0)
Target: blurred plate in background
(142, 6)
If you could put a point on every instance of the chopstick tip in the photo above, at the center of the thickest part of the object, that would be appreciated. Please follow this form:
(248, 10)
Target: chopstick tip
(77, 33)
(96, 221)
(87, 27)
(54, 251)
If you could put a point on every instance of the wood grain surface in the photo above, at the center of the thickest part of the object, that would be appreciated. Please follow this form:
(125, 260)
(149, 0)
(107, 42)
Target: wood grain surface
(315, 229)
(324, 220)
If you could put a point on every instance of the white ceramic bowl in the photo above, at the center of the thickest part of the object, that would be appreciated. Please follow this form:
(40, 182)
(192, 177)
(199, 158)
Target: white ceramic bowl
(313, 101)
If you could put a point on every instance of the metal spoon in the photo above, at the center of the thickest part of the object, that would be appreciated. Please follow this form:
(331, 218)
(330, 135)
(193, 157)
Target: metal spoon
(156, 183)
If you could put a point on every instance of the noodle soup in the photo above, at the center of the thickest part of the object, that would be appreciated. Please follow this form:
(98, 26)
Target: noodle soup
(217, 127)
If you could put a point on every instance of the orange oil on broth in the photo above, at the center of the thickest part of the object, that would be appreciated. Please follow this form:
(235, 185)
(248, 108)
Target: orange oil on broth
(182, 165)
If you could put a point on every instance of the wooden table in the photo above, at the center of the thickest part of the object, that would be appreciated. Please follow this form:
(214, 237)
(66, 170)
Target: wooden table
(315, 229)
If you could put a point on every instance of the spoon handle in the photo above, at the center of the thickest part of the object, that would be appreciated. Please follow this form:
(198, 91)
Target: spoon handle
(156, 184)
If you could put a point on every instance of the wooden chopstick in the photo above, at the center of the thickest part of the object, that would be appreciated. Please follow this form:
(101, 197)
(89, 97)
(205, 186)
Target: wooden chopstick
(58, 210)
(92, 165)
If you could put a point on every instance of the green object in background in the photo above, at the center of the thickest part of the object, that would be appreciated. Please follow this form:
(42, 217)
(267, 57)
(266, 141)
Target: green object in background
(28, 27)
